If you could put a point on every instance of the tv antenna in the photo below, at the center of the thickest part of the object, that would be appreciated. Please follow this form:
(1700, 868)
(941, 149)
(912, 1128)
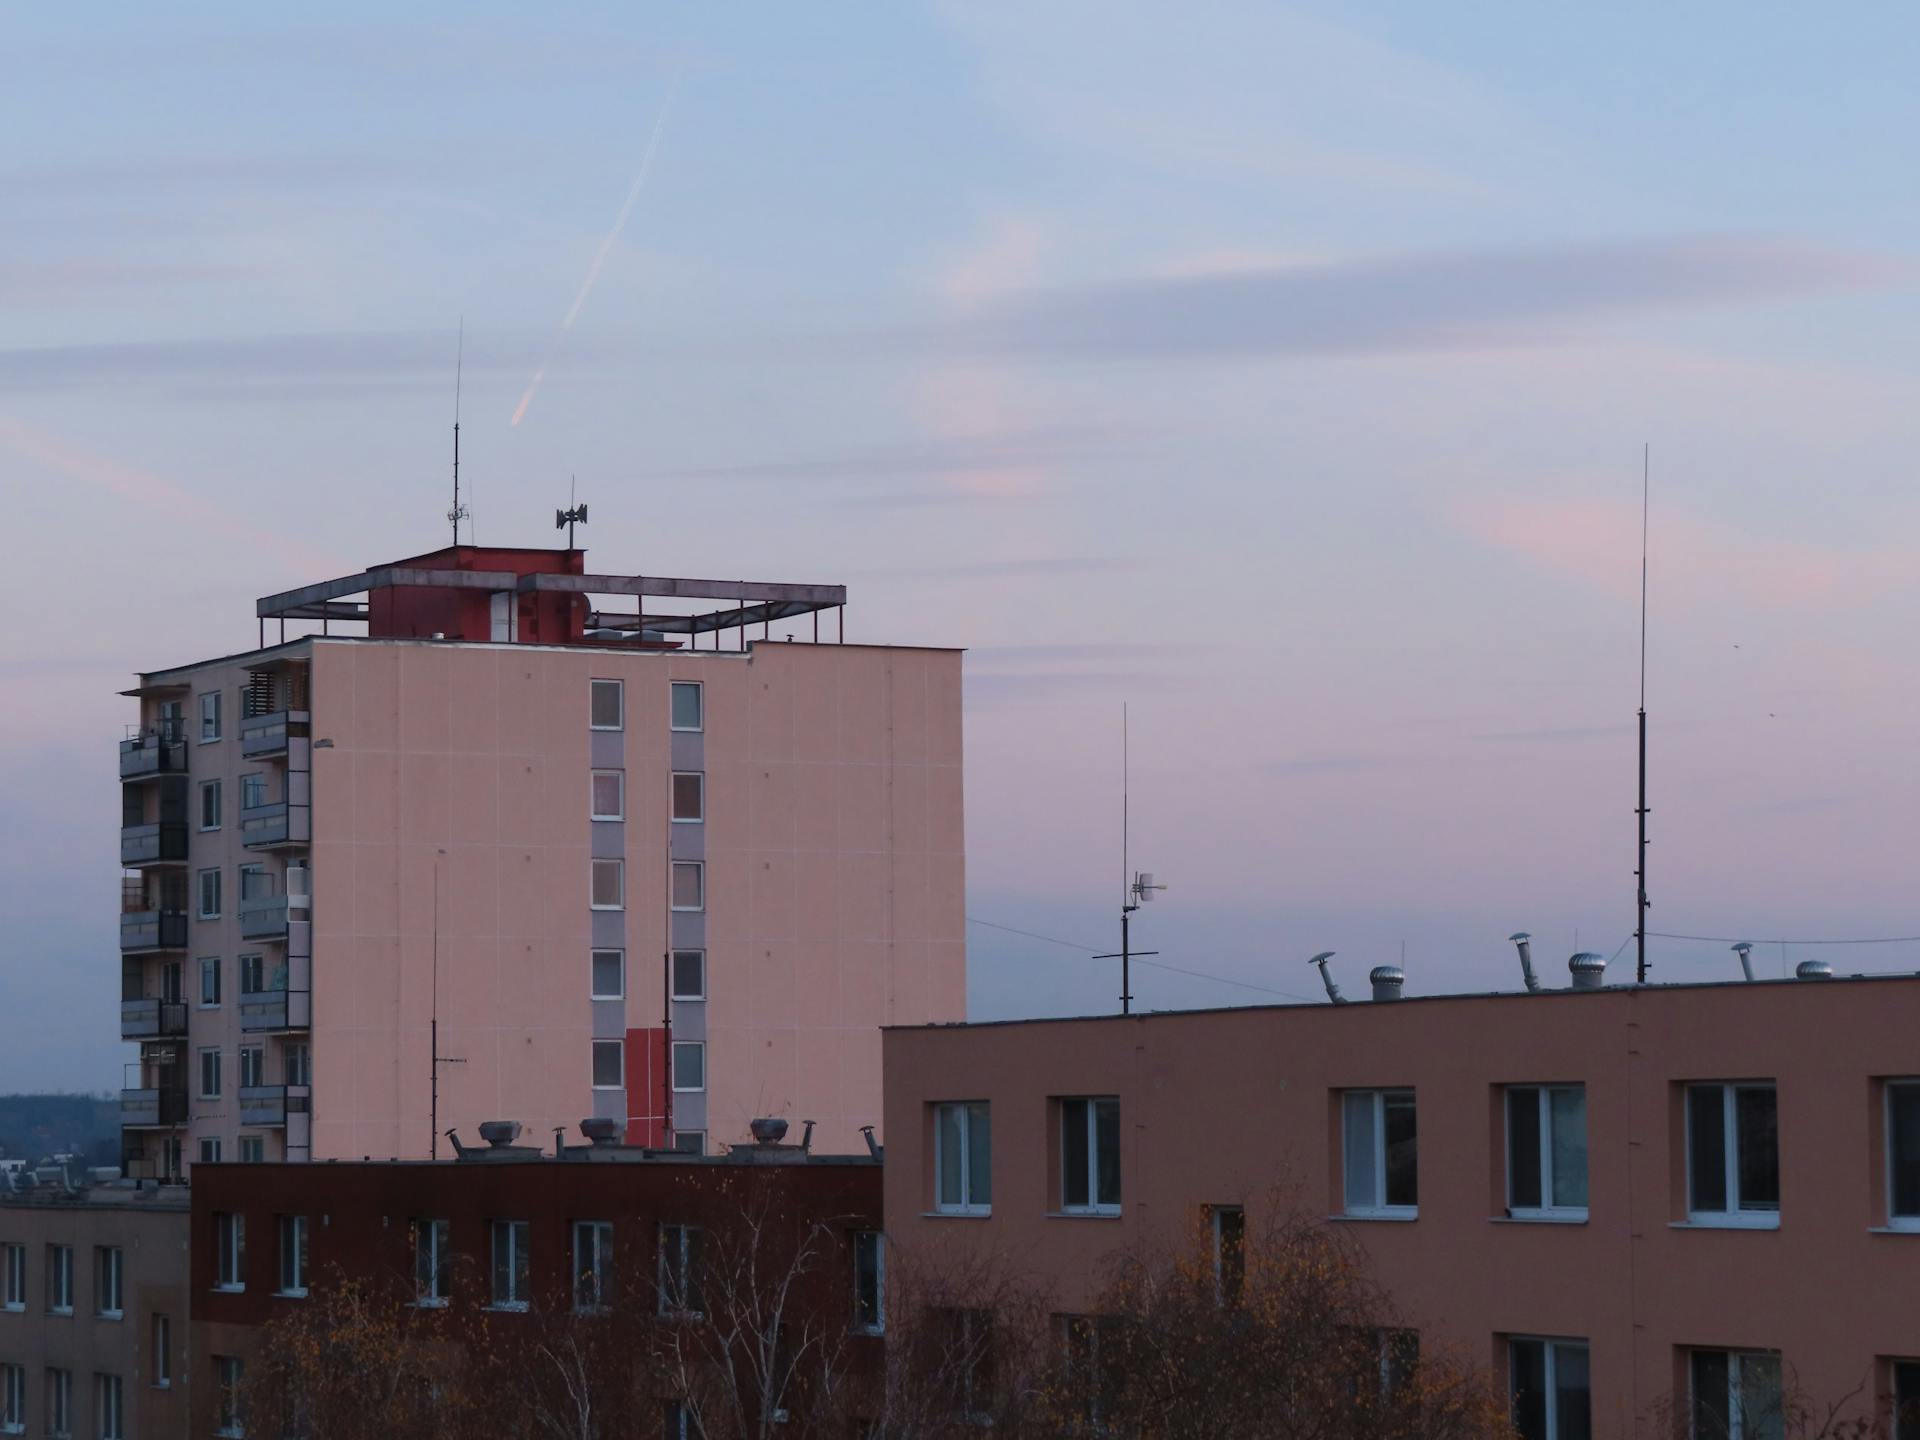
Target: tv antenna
(459, 511)
(571, 516)
(1137, 889)
(1640, 872)
(433, 1032)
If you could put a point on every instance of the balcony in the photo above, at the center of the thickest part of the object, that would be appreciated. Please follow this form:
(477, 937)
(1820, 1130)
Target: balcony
(156, 752)
(153, 1107)
(161, 844)
(271, 1104)
(148, 930)
(152, 1019)
(269, 1010)
(263, 737)
(264, 918)
(274, 827)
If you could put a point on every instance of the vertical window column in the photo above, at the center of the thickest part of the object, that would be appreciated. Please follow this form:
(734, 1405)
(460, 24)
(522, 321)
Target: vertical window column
(613, 892)
(687, 899)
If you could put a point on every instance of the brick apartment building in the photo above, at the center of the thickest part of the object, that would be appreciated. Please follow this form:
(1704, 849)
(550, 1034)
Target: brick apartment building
(621, 875)
(1625, 1201)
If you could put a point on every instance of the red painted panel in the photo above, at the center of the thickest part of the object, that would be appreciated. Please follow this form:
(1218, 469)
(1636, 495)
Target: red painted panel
(647, 1092)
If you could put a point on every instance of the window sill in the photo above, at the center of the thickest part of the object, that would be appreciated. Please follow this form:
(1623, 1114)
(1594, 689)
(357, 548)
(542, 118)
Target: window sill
(299, 1294)
(689, 999)
(109, 1314)
(606, 819)
(13, 1309)
(511, 1307)
(63, 1310)
(1368, 1217)
(229, 1289)
(688, 909)
(1726, 1222)
(1894, 1229)
(1540, 1217)
(1084, 1215)
(161, 1385)
(430, 1302)
(986, 1214)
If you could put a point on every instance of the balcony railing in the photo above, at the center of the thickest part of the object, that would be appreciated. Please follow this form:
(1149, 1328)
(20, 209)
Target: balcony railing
(152, 1019)
(156, 752)
(264, 918)
(161, 844)
(153, 930)
(153, 1107)
(275, 1010)
(264, 827)
(271, 1104)
(265, 736)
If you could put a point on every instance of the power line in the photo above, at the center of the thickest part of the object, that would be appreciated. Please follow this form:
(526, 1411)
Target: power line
(1090, 951)
(1775, 940)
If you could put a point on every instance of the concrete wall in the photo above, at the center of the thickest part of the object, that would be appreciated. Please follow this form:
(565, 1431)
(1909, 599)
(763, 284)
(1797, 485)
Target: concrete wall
(1241, 1107)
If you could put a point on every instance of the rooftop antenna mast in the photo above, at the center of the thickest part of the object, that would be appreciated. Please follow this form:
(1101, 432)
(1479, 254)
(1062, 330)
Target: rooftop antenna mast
(459, 511)
(571, 516)
(1135, 891)
(1640, 872)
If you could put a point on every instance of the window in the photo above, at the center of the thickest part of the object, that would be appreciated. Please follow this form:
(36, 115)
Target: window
(1903, 1155)
(162, 1362)
(680, 1289)
(13, 1399)
(609, 795)
(1382, 1170)
(1547, 1380)
(210, 716)
(296, 1063)
(209, 894)
(59, 1402)
(209, 1074)
(109, 1408)
(1090, 1156)
(609, 1071)
(609, 974)
(689, 885)
(253, 1149)
(592, 1264)
(60, 1279)
(209, 981)
(1906, 1400)
(253, 976)
(512, 1262)
(1229, 1226)
(609, 884)
(16, 1278)
(689, 796)
(1091, 1378)
(869, 1281)
(109, 1281)
(690, 1142)
(229, 1251)
(210, 1150)
(677, 1422)
(253, 1065)
(1737, 1395)
(172, 987)
(606, 705)
(689, 1065)
(969, 1359)
(293, 1254)
(1733, 1155)
(253, 792)
(1547, 1152)
(227, 1378)
(689, 974)
(432, 1261)
(255, 883)
(687, 709)
(963, 1158)
(209, 804)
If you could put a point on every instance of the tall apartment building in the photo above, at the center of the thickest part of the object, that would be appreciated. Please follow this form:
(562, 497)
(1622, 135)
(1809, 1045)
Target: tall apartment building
(616, 874)
(1635, 1204)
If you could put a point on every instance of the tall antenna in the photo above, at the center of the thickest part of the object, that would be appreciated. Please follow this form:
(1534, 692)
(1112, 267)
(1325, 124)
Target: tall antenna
(1640, 872)
(1135, 890)
(459, 511)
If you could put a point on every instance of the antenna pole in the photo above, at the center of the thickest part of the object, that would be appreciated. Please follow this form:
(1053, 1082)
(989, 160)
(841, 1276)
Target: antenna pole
(1126, 875)
(1640, 873)
(455, 515)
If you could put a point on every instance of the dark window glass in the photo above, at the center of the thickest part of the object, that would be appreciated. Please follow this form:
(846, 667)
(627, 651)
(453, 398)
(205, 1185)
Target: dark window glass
(1403, 1171)
(1229, 1252)
(689, 974)
(689, 800)
(1903, 1148)
(1527, 1372)
(686, 705)
(606, 700)
(1906, 1400)
(1073, 1134)
(1755, 1113)
(1523, 1147)
(1712, 1414)
(867, 1310)
(1572, 1400)
(1106, 1121)
(1706, 1145)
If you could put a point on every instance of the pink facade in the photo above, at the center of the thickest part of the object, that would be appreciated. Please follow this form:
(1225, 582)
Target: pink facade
(1238, 1107)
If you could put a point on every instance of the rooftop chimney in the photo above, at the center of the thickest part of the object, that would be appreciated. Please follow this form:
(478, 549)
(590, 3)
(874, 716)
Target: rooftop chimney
(873, 1145)
(1524, 942)
(768, 1131)
(601, 1130)
(1386, 981)
(1743, 949)
(499, 1133)
(1813, 970)
(1333, 990)
(1589, 970)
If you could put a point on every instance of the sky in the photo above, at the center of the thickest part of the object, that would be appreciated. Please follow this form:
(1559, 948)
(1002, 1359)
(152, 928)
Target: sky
(1279, 373)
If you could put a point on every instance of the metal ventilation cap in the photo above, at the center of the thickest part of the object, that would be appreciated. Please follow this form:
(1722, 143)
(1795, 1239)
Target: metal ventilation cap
(1589, 970)
(1813, 970)
(1386, 981)
(499, 1132)
(1524, 943)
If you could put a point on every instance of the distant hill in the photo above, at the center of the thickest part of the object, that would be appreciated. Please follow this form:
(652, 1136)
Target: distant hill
(33, 1127)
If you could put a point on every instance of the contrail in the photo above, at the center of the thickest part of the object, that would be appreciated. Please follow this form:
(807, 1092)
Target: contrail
(606, 245)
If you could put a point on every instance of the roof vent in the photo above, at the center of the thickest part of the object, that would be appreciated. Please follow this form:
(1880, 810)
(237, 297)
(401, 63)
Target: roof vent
(1589, 970)
(1813, 970)
(768, 1131)
(1386, 981)
(1524, 943)
(601, 1130)
(1743, 950)
(498, 1133)
(1333, 990)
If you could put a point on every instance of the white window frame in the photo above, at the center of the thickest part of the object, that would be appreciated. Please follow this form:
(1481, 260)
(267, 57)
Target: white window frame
(1736, 1216)
(253, 1065)
(699, 1047)
(200, 893)
(296, 1229)
(679, 1262)
(673, 785)
(619, 778)
(1550, 1374)
(594, 1048)
(1093, 1205)
(965, 1205)
(109, 1282)
(16, 1277)
(254, 793)
(592, 1288)
(162, 1365)
(1216, 1231)
(619, 867)
(109, 1407)
(1895, 1219)
(620, 692)
(60, 1279)
(1736, 1416)
(253, 1149)
(296, 1063)
(209, 1149)
(210, 965)
(229, 1251)
(700, 702)
(228, 1376)
(1379, 1208)
(210, 789)
(59, 1403)
(433, 1239)
(13, 1399)
(1543, 1102)
(699, 868)
(210, 717)
(594, 992)
(518, 1235)
(673, 975)
(218, 1078)
(875, 1242)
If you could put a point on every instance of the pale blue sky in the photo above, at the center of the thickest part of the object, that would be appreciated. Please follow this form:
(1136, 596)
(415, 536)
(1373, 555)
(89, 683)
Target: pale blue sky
(1282, 372)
